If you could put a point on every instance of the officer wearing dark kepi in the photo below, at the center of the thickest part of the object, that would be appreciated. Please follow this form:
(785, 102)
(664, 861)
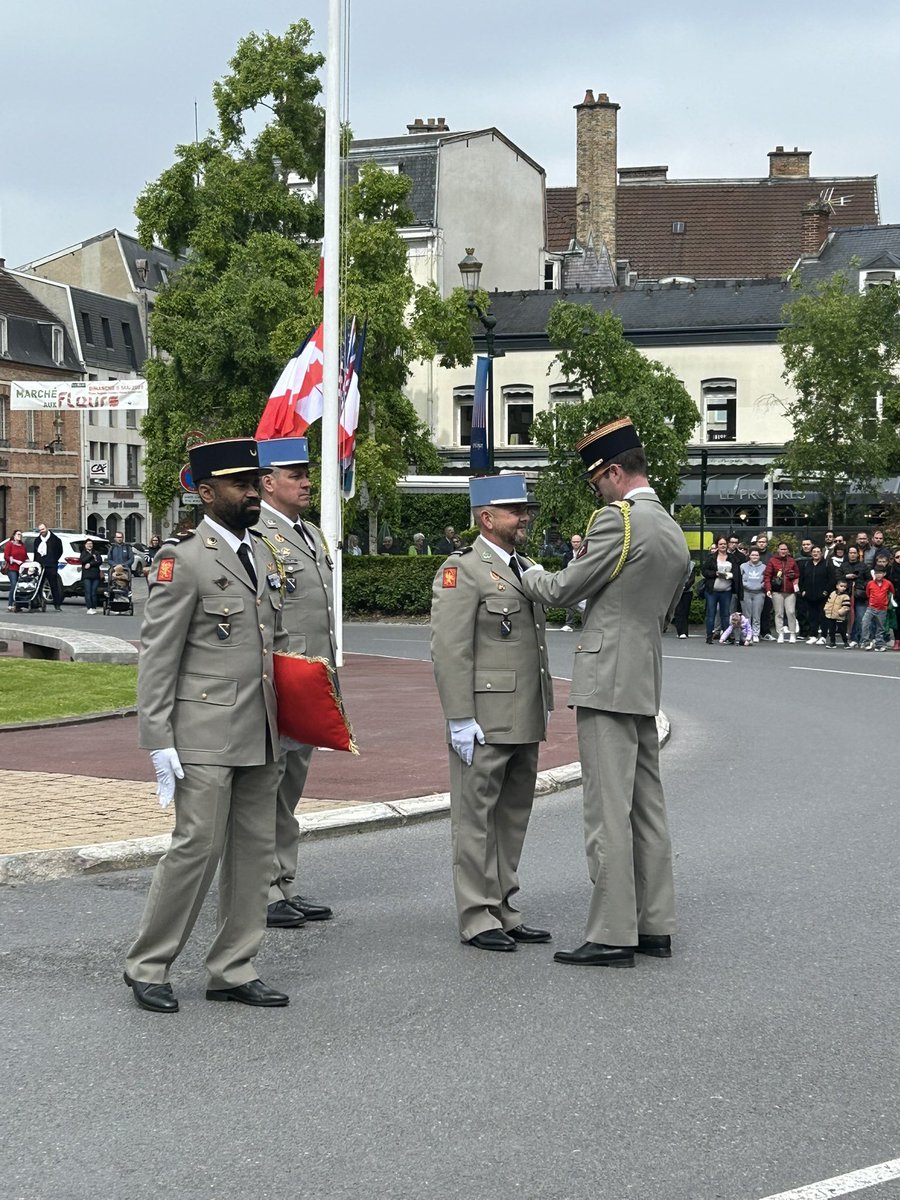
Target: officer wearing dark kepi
(630, 569)
(489, 651)
(301, 552)
(207, 714)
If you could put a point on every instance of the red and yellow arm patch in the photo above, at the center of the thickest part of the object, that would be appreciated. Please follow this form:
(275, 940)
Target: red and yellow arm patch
(448, 577)
(165, 572)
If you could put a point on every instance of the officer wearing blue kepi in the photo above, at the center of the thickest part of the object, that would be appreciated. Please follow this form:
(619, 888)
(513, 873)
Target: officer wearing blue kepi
(489, 652)
(207, 714)
(302, 555)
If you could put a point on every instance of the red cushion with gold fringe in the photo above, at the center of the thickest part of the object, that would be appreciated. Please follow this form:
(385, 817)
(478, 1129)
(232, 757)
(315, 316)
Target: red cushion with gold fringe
(310, 709)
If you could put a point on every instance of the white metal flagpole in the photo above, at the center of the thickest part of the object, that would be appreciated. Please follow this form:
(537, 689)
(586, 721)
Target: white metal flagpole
(331, 484)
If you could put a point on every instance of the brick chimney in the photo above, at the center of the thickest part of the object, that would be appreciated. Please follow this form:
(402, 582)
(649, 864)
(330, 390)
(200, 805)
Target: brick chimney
(595, 202)
(789, 164)
(432, 125)
(814, 228)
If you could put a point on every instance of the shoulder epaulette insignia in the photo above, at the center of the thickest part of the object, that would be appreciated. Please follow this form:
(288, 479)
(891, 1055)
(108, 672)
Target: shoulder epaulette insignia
(257, 533)
(177, 538)
(462, 550)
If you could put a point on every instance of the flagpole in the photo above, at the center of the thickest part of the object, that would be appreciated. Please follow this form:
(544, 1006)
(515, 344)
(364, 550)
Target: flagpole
(331, 499)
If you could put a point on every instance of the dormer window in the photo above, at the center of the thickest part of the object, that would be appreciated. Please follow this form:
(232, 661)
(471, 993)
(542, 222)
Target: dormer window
(4, 336)
(870, 279)
(59, 344)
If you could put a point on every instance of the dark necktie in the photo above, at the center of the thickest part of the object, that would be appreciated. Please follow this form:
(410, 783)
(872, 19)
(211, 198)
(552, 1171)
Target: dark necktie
(302, 530)
(514, 567)
(246, 557)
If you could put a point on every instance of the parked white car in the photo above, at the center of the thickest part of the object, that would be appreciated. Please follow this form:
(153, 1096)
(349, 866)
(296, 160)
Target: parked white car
(69, 564)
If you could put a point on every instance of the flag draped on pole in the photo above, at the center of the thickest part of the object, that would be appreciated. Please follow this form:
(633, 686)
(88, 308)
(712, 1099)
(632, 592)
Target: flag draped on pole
(297, 400)
(354, 346)
(478, 448)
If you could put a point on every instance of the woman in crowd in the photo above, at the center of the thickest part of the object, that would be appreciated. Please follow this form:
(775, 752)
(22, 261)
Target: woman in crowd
(754, 591)
(90, 575)
(723, 583)
(857, 577)
(14, 554)
(155, 545)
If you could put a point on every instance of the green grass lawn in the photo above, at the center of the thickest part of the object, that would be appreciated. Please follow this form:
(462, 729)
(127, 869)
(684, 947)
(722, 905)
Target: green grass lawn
(36, 689)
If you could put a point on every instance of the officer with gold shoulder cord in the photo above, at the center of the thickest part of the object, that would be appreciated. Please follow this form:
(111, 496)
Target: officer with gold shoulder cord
(302, 555)
(207, 714)
(630, 570)
(489, 652)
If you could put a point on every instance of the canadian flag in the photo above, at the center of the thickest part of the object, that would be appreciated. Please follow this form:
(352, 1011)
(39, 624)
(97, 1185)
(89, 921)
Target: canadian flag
(297, 398)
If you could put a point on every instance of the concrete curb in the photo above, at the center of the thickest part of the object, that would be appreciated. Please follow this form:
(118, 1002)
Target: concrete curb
(37, 866)
(77, 719)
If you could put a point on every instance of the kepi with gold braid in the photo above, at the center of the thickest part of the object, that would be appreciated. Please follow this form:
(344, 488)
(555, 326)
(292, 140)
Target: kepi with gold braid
(230, 456)
(601, 445)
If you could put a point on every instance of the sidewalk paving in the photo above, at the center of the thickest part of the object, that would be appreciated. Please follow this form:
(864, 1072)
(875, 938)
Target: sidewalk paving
(96, 807)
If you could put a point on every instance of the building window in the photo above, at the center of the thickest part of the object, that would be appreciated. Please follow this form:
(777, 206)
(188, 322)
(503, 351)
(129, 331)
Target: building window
(551, 274)
(564, 393)
(720, 409)
(133, 453)
(110, 456)
(86, 328)
(518, 404)
(870, 279)
(30, 430)
(107, 332)
(60, 507)
(131, 418)
(163, 273)
(678, 226)
(133, 523)
(59, 344)
(112, 525)
(94, 523)
(463, 400)
(34, 496)
(4, 417)
(129, 343)
(4, 336)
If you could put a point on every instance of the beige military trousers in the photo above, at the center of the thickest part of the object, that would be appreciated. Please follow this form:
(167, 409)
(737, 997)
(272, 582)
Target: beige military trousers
(490, 803)
(294, 767)
(222, 814)
(626, 835)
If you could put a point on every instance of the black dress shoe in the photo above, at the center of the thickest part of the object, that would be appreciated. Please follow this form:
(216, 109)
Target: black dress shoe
(595, 954)
(658, 945)
(282, 915)
(311, 910)
(492, 939)
(522, 933)
(155, 997)
(255, 993)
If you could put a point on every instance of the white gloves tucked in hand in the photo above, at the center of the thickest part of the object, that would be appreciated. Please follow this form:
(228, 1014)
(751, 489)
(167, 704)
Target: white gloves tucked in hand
(168, 768)
(463, 736)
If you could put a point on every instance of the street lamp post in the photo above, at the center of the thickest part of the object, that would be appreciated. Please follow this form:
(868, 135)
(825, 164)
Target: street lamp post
(470, 270)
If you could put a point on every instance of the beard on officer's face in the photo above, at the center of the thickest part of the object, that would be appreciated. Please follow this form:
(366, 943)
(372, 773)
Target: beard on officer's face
(233, 505)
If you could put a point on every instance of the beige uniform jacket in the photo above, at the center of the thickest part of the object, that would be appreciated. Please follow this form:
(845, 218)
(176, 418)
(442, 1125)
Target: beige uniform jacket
(309, 604)
(489, 648)
(618, 656)
(205, 674)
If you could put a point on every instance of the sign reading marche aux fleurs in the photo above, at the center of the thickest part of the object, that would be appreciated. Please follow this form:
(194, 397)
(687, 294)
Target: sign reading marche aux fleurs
(63, 395)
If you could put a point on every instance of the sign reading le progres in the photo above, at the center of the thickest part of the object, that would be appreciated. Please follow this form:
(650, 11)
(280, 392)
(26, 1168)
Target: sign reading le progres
(61, 394)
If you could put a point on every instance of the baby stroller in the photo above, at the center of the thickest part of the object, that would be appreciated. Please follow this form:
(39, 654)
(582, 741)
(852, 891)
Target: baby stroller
(117, 597)
(30, 588)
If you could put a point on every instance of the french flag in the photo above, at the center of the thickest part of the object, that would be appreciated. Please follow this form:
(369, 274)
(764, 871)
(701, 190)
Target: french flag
(298, 399)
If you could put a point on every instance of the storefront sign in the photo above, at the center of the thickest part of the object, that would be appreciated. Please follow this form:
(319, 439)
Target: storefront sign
(61, 395)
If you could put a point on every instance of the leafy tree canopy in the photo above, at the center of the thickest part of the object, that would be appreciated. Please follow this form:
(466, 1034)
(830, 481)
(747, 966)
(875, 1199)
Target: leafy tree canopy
(841, 352)
(619, 381)
(243, 302)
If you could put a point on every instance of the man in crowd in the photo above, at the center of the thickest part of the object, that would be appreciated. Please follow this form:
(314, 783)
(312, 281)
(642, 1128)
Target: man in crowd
(878, 548)
(803, 615)
(120, 553)
(308, 617)
(631, 570)
(767, 618)
(387, 545)
(48, 550)
(489, 651)
(446, 544)
(572, 614)
(816, 583)
(207, 714)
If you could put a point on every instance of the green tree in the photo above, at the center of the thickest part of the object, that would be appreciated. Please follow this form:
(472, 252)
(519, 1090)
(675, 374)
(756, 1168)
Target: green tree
(619, 381)
(243, 301)
(841, 352)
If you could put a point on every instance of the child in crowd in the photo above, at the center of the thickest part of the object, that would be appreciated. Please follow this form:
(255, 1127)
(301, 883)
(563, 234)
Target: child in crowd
(740, 629)
(837, 611)
(878, 596)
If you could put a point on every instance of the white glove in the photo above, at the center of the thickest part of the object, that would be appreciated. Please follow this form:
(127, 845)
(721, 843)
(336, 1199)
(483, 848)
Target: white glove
(168, 768)
(288, 743)
(463, 735)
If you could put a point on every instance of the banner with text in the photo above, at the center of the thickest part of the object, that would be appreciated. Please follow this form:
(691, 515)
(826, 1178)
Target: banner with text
(62, 395)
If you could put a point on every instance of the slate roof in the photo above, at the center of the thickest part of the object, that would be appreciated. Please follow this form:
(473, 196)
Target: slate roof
(118, 313)
(160, 262)
(872, 248)
(29, 328)
(668, 314)
(733, 228)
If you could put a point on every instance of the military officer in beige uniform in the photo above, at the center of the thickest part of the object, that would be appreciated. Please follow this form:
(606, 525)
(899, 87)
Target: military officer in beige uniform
(630, 570)
(490, 665)
(303, 556)
(207, 714)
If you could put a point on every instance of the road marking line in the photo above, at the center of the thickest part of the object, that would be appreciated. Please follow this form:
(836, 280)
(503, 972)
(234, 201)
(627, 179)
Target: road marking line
(842, 1185)
(707, 662)
(859, 674)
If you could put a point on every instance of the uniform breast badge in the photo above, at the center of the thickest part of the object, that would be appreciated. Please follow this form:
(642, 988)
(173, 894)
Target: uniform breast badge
(223, 631)
(501, 586)
(448, 577)
(221, 583)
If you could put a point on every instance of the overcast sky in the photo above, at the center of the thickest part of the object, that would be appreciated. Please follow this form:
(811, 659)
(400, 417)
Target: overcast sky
(96, 95)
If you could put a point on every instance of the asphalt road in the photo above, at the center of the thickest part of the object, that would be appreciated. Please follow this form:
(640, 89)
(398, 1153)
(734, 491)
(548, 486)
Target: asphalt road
(762, 1057)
